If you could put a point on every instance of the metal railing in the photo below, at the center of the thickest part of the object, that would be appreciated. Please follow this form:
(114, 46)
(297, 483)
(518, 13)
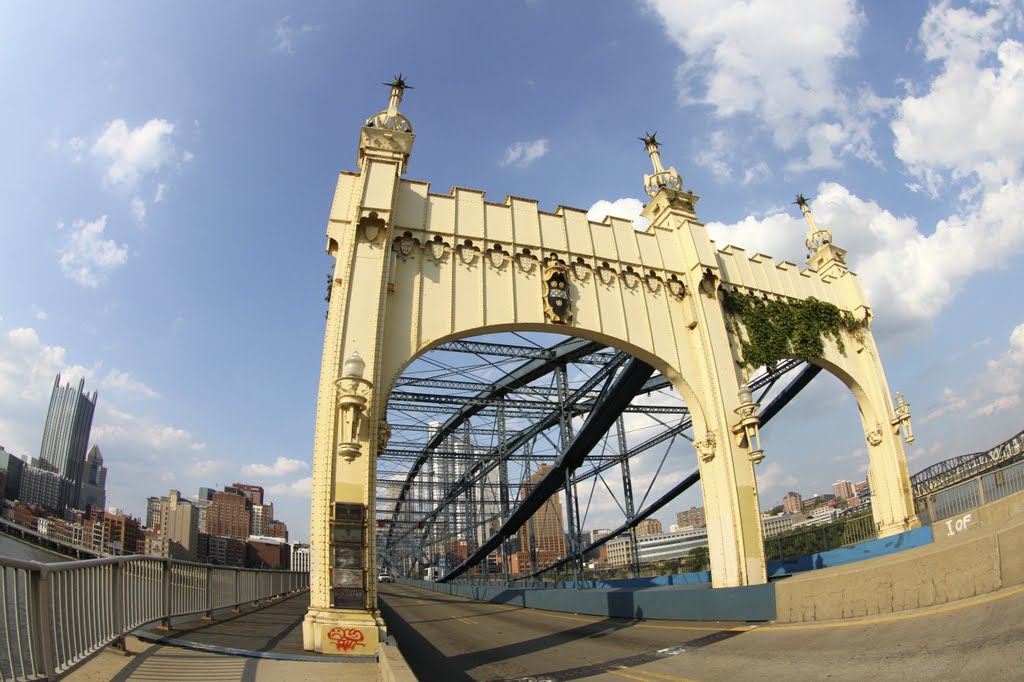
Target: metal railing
(820, 538)
(56, 616)
(970, 494)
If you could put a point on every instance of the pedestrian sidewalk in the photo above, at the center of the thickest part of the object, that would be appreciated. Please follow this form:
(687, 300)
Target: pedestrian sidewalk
(256, 645)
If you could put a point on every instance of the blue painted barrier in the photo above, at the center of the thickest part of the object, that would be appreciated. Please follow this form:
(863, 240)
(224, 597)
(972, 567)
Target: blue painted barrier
(919, 537)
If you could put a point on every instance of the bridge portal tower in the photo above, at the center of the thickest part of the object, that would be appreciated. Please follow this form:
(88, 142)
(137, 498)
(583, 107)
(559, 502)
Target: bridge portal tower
(415, 269)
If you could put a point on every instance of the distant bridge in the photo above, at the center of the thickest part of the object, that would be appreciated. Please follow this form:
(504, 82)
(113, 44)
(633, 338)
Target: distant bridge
(956, 469)
(47, 542)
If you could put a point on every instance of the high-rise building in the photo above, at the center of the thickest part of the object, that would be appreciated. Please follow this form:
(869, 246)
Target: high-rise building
(94, 480)
(843, 489)
(648, 527)
(66, 437)
(11, 467)
(206, 494)
(262, 515)
(230, 515)
(300, 557)
(694, 518)
(253, 492)
(276, 529)
(545, 532)
(793, 503)
(154, 507)
(179, 526)
(40, 486)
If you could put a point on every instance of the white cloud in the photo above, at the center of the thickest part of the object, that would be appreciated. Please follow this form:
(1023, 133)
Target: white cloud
(88, 257)
(282, 466)
(759, 172)
(996, 389)
(777, 61)
(134, 153)
(300, 488)
(909, 276)
(161, 191)
(522, 154)
(717, 154)
(949, 403)
(201, 468)
(285, 35)
(626, 208)
(138, 208)
(968, 121)
(38, 312)
(770, 476)
(124, 382)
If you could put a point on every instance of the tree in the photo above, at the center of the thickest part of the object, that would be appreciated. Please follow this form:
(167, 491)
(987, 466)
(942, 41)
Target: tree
(699, 559)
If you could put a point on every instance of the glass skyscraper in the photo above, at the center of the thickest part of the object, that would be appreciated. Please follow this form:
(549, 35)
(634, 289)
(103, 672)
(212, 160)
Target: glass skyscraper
(66, 437)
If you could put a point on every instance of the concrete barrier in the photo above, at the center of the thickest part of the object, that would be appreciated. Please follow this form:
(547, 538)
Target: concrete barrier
(980, 555)
(393, 667)
(679, 602)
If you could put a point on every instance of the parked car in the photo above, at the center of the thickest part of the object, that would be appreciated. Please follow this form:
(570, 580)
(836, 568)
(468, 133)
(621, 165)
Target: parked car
(384, 577)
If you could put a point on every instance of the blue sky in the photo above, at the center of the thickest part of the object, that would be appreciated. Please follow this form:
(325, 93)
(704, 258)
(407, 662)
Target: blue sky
(168, 170)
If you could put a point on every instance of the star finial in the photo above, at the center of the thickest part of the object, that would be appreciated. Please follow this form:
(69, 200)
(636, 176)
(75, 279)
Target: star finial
(649, 139)
(801, 200)
(399, 82)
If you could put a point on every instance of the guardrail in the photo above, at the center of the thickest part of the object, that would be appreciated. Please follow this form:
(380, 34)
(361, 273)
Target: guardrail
(57, 616)
(971, 494)
(820, 538)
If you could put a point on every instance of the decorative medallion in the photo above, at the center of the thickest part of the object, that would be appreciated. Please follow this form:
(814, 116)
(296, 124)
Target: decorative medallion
(875, 437)
(525, 261)
(438, 249)
(709, 283)
(706, 446)
(606, 274)
(468, 253)
(557, 304)
(406, 245)
(497, 257)
(676, 287)
(372, 226)
(580, 270)
(630, 278)
(383, 435)
(653, 282)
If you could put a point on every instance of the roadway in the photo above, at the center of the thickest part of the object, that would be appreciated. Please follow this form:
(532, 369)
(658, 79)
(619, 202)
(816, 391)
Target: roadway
(449, 638)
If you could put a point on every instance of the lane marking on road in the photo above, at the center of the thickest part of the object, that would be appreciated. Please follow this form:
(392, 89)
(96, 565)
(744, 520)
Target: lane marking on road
(892, 619)
(632, 677)
(630, 663)
(467, 621)
(663, 676)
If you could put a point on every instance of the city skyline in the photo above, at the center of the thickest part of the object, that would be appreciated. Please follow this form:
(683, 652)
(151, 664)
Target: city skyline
(167, 180)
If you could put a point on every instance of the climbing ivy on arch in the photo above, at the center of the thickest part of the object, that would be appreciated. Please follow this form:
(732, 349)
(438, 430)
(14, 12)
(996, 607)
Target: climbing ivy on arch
(777, 329)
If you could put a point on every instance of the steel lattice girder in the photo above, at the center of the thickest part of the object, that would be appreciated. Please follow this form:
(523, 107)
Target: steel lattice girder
(567, 351)
(627, 384)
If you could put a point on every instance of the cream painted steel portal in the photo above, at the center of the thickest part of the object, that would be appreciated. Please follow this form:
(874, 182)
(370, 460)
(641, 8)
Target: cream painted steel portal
(416, 269)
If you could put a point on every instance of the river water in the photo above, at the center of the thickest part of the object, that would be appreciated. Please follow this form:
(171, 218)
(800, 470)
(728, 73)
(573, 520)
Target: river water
(17, 549)
(14, 616)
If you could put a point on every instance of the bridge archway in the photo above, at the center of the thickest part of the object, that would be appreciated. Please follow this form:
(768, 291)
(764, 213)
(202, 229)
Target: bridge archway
(414, 268)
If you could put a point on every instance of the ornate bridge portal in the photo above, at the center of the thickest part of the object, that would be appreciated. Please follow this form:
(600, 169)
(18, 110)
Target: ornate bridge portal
(416, 270)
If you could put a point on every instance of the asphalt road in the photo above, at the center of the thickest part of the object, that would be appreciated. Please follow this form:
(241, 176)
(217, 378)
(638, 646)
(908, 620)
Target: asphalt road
(449, 638)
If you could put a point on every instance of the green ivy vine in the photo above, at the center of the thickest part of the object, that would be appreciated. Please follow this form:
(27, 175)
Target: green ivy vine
(780, 328)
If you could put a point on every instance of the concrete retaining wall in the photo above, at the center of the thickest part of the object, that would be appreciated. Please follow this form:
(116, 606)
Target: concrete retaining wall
(755, 602)
(981, 555)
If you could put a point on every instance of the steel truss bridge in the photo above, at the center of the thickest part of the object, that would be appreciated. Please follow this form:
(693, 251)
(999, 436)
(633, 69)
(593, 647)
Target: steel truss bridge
(948, 473)
(487, 432)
